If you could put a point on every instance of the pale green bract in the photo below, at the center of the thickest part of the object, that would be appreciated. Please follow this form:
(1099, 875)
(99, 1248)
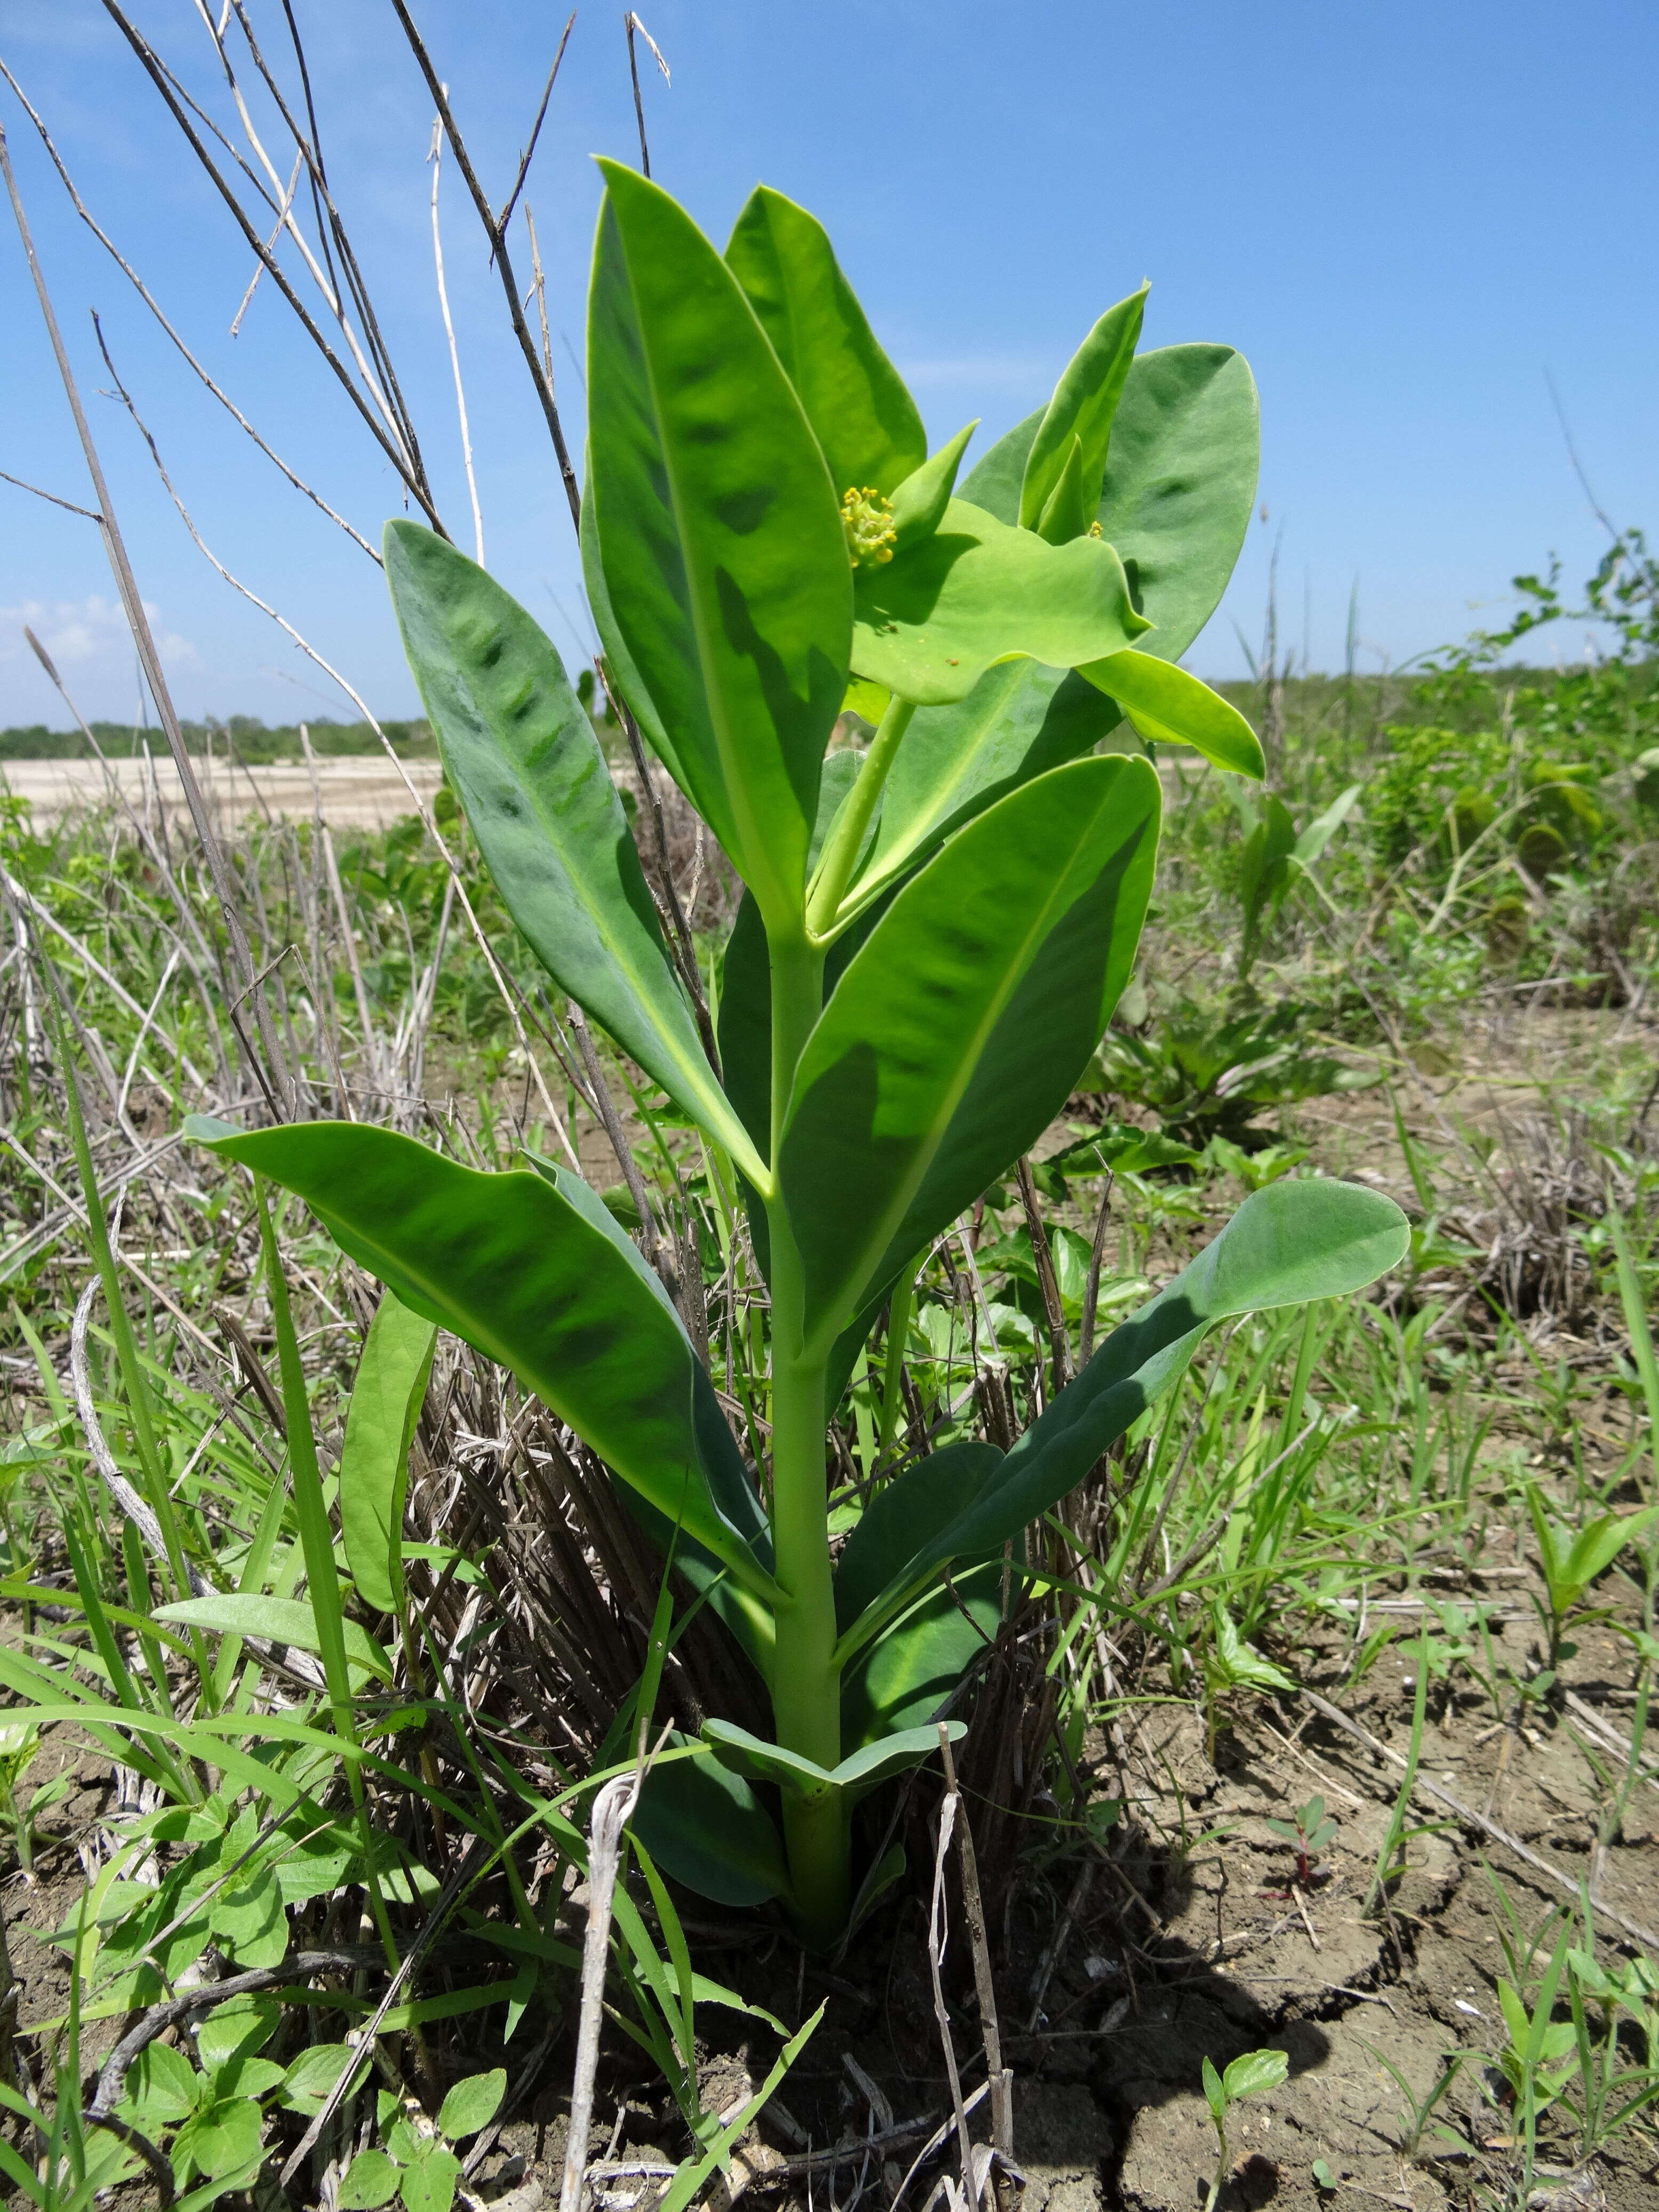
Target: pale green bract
(935, 936)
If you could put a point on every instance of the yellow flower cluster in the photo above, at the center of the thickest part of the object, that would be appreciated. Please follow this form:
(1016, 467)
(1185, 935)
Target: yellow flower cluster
(867, 519)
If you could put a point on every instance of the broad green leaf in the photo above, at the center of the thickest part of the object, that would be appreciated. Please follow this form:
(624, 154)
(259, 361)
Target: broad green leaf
(930, 621)
(907, 1676)
(1180, 483)
(719, 533)
(236, 2029)
(519, 1266)
(371, 2180)
(620, 667)
(385, 1405)
(1287, 1244)
(1019, 720)
(902, 1518)
(279, 1620)
(705, 1827)
(162, 2087)
(855, 400)
(471, 2104)
(958, 1030)
(1167, 702)
(223, 2138)
(1081, 412)
(1255, 2071)
(247, 1919)
(1236, 1664)
(309, 2081)
(429, 2181)
(873, 1764)
(521, 753)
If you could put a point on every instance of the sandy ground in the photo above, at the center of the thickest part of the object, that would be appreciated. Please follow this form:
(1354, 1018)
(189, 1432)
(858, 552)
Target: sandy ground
(359, 793)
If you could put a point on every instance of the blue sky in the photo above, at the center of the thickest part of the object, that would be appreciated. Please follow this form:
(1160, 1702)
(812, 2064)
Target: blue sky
(1410, 218)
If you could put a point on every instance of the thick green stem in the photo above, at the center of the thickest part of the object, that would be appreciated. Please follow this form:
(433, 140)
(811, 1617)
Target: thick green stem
(840, 855)
(805, 1680)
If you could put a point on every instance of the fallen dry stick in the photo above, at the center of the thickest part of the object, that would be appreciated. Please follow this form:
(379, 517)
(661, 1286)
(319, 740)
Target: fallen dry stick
(1422, 1788)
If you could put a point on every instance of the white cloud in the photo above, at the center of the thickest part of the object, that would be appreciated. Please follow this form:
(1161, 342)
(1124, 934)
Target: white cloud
(989, 372)
(89, 634)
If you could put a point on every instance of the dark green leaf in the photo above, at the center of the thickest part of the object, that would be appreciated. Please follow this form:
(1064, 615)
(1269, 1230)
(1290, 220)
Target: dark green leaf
(705, 1825)
(429, 2182)
(471, 2104)
(957, 1032)
(1287, 1244)
(371, 2180)
(309, 2081)
(532, 1271)
(930, 623)
(385, 1404)
(904, 1677)
(1081, 412)
(719, 533)
(902, 1518)
(224, 2138)
(855, 398)
(521, 753)
(1019, 720)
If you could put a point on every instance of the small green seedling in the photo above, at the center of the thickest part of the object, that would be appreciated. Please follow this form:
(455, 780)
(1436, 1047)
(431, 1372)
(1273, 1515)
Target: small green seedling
(1413, 2121)
(1248, 2076)
(20, 1742)
(1572, 1562)
(1307, 1832)
(1324, 2179)
(1540, 2053)
(419, 2164)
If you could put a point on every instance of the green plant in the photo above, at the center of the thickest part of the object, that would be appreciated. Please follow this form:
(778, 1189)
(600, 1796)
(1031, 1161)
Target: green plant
(1307, 1832)
(1413, 2121)
(19, 1741)
(419, 2164)
(932, 939)
(1571, 1559)
(1248, 2076)
(1276, 858)
(1205, 1077)
(1540, 2052)
(1611, 2092)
